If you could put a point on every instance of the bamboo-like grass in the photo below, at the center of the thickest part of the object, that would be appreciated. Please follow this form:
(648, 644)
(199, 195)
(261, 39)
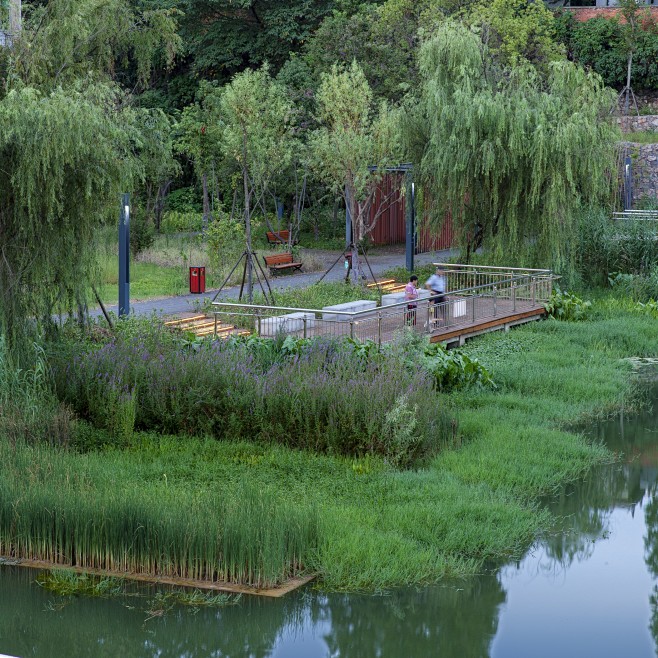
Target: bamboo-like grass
(60, 508)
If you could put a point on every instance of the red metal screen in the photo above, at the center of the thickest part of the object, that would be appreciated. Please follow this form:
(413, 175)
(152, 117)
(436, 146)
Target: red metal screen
(390, 204)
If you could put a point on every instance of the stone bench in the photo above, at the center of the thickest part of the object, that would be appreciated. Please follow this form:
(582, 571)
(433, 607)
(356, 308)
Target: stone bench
(283, 324)
(397, 297)
(349, 307)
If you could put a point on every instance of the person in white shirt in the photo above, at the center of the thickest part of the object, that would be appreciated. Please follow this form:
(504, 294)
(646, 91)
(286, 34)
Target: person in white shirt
(436, 284)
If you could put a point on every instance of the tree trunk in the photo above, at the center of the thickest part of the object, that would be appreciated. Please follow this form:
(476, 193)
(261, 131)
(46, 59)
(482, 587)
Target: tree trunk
(247, 234)
(206, 202)
(627, 99)
(159, 204)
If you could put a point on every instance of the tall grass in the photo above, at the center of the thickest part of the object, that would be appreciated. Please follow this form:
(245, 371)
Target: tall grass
(321, 399)
(28, 409)
(69, 510)
(185, 505)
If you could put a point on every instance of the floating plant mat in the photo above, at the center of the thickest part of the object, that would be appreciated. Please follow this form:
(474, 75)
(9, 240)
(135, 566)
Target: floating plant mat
(272, 592)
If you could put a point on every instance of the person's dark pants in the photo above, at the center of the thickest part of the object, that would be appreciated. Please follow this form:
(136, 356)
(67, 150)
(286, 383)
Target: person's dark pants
(410, 315)
(438, 312)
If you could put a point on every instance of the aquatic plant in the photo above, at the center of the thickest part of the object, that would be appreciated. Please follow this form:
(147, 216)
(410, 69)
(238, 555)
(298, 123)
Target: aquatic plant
(58, 507)
(321, 395)
(564, 305)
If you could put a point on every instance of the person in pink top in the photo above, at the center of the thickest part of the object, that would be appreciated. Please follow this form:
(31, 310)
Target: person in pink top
(411, 295)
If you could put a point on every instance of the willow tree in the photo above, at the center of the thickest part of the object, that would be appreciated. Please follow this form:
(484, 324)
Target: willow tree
(352, 146)
(65, 156)
(65, 40)
(511, 154)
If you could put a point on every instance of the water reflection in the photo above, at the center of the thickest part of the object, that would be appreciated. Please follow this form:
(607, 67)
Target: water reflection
(456, 620)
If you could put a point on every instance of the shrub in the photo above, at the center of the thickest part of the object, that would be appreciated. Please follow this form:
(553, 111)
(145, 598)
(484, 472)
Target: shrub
(449, 369)
(564, 305)
(226, 239)
(627, 247)
(142, 233)
(176, 221)
(319, 395)
(184, 200)
(639, 287)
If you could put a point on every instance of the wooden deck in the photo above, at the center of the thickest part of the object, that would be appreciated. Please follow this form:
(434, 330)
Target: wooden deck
(483, 298)
(457, 320)
(506, 315)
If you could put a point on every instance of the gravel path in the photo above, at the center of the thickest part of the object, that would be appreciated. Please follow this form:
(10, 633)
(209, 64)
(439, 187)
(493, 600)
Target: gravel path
(381, 261)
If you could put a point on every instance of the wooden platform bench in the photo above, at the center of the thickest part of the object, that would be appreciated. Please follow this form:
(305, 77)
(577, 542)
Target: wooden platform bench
(281, 262)
(280, 237)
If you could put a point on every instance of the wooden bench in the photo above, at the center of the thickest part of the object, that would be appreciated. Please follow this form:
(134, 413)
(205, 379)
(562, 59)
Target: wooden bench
(280, 262)
(280, 237)
(381, 284)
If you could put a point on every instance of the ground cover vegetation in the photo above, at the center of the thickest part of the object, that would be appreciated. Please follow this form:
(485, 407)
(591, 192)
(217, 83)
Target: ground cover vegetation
(199, 507)
(250, 460)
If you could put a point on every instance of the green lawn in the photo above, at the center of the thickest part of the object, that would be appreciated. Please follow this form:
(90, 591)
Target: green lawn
(641, 137)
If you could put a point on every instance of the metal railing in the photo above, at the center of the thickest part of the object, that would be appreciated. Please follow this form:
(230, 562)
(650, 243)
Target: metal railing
(505, 292)
(463, 277)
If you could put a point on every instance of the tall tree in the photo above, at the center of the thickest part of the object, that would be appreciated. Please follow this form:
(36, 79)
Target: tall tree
(223, 37)
(63, 40)
(253, 116)
(66, 156)
(352, 146)
(509, 153)
(630, 30)
(518, 31)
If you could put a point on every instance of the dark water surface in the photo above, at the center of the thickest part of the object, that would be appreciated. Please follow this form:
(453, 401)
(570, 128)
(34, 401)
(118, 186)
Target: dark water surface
(590, 590)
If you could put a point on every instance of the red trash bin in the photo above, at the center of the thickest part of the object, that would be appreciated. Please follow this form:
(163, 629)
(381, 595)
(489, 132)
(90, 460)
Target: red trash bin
(197, 280)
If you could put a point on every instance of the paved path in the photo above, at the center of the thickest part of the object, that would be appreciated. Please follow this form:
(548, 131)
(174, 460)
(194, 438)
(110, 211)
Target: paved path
(380, 262)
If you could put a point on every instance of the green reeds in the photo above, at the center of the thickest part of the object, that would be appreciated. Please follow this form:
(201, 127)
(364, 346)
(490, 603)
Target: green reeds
(64, 509)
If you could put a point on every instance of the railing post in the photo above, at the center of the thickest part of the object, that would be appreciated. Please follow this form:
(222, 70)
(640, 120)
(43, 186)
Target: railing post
(474, 298)
(514, 297)
(304, 320)
(258, 319)
(379, 329)
(351, 328)
(495, 300)
(215, 328)
(532, 289)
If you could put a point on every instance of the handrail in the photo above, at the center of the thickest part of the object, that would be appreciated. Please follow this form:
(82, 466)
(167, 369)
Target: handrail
(492, 267)
(369, 312)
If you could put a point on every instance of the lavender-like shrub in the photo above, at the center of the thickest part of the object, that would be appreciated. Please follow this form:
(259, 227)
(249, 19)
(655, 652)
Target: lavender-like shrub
(322, 397)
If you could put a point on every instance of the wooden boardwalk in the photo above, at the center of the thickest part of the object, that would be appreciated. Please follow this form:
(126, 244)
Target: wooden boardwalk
(505, 315)
(484, 299)
(458, 319)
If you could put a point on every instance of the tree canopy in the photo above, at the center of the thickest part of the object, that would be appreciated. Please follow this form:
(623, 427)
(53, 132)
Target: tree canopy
(66, 156)
(510, 153)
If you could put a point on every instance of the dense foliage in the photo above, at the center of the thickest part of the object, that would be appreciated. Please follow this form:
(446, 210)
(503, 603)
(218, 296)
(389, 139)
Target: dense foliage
(511, 155)
(313, 395)
(66, 156)
(601, 44)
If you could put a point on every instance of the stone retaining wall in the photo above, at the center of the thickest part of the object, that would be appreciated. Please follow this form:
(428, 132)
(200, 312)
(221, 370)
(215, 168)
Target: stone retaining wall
(636, 124)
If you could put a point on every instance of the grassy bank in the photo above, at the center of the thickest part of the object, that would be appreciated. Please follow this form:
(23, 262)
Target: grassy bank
(358, 521)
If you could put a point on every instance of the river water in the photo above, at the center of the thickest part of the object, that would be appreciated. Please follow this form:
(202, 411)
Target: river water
(589, 590)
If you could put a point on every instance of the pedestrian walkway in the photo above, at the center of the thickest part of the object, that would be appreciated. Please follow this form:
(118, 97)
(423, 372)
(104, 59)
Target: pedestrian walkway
(380, 263)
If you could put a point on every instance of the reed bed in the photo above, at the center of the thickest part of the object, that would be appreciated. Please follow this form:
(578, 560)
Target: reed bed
(63, 509)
